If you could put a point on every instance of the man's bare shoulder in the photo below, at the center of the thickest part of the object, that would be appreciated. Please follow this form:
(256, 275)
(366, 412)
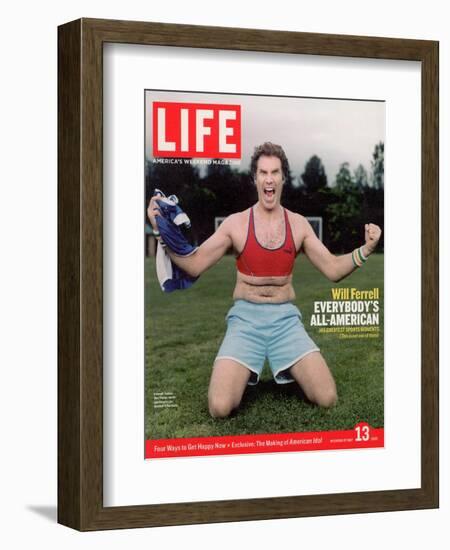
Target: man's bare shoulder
(300, 228)
(296, 219)
(236, 219)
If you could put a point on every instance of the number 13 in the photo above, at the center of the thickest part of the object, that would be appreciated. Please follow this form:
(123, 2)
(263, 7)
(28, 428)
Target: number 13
(362, 433)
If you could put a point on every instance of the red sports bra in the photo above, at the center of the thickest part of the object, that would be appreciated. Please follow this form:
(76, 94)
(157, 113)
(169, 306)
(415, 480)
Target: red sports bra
(259, 261)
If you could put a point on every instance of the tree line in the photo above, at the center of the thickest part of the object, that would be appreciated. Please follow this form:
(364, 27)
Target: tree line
(351, 199)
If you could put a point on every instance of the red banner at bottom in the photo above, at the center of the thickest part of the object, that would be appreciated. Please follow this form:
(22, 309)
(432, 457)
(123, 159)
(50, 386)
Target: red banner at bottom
(361, 437)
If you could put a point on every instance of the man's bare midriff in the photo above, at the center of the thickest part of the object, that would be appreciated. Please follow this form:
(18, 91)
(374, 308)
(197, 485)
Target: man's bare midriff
(264, 290)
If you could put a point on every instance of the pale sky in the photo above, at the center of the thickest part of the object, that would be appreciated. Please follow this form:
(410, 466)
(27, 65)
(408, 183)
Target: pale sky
(336, 130)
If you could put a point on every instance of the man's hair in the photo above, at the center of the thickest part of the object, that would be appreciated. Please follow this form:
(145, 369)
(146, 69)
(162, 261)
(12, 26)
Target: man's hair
(269, 149)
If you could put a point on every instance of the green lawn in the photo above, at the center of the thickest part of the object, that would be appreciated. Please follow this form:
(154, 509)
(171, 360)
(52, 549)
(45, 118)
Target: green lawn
(184, 329)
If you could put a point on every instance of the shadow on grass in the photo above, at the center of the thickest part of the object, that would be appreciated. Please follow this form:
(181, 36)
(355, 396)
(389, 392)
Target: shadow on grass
(270, 389)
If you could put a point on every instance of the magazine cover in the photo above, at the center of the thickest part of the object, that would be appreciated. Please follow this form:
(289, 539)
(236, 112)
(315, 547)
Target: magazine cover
(263, 274)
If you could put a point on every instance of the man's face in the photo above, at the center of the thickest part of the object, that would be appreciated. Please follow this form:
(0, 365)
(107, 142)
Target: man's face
(269, 181)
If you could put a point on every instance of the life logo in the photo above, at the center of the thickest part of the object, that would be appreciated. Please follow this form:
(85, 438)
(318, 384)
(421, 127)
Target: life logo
(206, 130)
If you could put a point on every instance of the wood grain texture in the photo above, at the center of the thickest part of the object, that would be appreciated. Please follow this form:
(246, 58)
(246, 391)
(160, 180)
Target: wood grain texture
(91, 266)
(69, 248)
(80, 270)
(228, 38)
(430, 273)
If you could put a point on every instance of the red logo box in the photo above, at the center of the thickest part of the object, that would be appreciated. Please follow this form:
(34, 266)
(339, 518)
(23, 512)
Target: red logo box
(205, 130)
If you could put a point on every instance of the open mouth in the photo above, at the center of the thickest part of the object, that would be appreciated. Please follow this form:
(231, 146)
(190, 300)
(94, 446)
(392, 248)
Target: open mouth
(269, 192)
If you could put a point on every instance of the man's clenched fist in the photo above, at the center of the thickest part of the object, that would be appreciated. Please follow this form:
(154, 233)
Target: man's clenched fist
(372, 235)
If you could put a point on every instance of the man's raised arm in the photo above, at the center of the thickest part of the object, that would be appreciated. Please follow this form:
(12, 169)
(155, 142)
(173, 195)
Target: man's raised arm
(336, 268)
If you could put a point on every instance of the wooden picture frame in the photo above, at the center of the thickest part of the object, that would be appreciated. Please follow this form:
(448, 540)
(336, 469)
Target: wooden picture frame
(80, 272)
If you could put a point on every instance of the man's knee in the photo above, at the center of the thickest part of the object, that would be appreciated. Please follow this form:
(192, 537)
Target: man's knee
(220, 407)
(326, 398)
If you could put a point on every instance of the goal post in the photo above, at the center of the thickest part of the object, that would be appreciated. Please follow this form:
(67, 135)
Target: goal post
(317, 225)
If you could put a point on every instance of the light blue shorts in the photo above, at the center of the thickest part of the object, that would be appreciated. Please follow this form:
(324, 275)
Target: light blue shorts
(257, 332)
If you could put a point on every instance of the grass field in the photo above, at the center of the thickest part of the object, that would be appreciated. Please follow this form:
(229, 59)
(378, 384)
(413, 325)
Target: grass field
(184, 329)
